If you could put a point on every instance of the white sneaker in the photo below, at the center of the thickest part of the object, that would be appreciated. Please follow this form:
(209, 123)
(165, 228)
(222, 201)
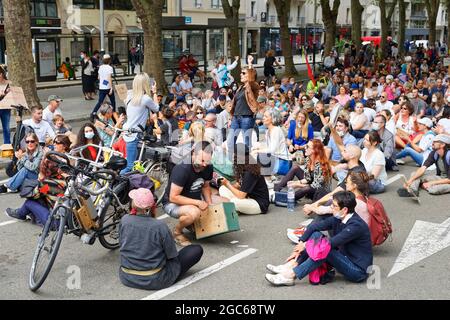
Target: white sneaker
(276, 269)
(270, 185)
(292, 236)
(400, 162)
(279, 280)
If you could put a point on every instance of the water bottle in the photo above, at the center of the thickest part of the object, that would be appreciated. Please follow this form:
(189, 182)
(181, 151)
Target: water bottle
(291, 199)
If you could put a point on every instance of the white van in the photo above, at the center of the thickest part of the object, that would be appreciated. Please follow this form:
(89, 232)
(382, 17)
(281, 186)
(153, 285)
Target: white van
(417, 43)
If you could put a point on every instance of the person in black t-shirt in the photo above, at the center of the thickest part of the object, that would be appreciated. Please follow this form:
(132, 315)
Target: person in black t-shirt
(250, 193)
(269, 70)
(319, 118)
(188, 192)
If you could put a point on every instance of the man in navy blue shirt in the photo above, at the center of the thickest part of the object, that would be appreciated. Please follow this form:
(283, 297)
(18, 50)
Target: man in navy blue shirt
(351, 247)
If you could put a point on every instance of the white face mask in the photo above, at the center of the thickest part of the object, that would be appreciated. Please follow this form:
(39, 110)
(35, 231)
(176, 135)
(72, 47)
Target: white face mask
(448, 99)
(89, 135)
(375, 126)
(341, 133)
(338, 215)
(200, 116)
(189, 102)
(434, 99)
(299, 125)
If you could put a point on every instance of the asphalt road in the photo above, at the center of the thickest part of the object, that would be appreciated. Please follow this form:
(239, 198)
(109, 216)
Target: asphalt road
(231, 271)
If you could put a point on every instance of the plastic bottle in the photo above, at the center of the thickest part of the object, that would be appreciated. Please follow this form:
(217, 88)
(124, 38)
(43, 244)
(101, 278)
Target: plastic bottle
(291, 199)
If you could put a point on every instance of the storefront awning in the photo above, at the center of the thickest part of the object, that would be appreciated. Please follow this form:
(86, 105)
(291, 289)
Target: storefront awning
(134, 29)
(88, 29)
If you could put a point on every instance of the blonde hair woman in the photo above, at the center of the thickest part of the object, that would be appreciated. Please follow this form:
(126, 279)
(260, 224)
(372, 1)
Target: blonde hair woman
(300, 132)
(139, 105)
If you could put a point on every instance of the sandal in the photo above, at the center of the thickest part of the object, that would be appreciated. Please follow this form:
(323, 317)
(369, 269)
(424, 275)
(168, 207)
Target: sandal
(181, 239)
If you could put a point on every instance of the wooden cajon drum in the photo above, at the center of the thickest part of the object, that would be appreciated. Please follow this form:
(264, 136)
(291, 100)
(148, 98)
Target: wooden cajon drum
(218, 219)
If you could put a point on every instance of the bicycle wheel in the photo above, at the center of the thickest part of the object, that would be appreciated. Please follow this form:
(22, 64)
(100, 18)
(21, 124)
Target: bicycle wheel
(109, 225)
(159, 173)
(47, 248)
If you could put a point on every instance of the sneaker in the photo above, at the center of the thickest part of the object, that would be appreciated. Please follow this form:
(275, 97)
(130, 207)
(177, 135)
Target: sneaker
(14, 213)
(270, 185)
(276, 269)
(3, 189)
(400, 162)
(292, 236)
(395, 168)
(279, 280)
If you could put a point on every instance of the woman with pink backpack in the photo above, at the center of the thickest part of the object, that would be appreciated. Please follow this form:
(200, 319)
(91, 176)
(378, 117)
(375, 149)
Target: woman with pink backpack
(349, 251)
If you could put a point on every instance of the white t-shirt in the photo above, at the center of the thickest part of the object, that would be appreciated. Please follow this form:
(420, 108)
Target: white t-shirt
(357, 118)
(48, 116)
(42, 129)
(388, 105)
(370, 114)
(405, 126)
(103, 74)
(390, 126)
(276, 143)
(426, 144)
(377, 158)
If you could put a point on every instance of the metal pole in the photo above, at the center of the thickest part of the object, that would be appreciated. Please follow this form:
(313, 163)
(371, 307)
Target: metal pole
(314, 36)
(102, 26)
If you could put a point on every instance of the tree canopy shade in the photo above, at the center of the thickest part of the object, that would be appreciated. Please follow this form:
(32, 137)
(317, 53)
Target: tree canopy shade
(18, 43)
(150, 13)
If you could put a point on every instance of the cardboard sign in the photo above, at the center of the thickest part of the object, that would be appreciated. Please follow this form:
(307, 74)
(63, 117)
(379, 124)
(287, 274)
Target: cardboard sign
(217, 219)
(15, 96)
(122, 91)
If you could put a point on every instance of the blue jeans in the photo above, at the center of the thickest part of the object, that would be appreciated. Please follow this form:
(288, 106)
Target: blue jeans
(17, 180)
(240, 124)
(375, 186)
(336, 259)
(36, 209)
(408, 151)
(132, 152)
(5, 116)
(101, 97)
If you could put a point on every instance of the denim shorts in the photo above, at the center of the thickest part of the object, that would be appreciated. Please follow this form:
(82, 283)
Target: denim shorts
(172, 210)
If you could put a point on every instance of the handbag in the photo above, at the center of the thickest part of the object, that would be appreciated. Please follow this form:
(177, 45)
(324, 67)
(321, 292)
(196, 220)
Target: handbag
(30, 189)
(280, 199)
(282, 166)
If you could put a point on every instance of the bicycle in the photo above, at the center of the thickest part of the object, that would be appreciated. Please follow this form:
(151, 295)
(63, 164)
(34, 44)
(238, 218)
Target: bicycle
(75, 206)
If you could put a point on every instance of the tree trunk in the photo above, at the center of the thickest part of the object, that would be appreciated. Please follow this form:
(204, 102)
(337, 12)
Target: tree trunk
(329, 17)
(432, 7)
(18, 45)
(283, 9)
(232, 13)
(401, 27)
(357, 10)
(447, 3)
(150, 13)
(385, 20)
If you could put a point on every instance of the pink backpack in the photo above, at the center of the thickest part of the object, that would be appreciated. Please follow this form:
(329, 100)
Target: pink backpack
(318, 249)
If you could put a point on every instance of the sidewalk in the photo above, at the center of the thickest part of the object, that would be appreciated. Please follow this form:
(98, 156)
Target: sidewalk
(61, 82)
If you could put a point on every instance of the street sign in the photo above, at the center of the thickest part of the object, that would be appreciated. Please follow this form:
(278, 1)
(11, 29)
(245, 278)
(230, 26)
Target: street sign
(188, 20)
(263, 16)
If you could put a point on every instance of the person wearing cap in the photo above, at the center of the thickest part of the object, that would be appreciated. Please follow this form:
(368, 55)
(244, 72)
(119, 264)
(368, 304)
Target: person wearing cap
(105, 73)
(52, 108)
(420, 147)
(250, 193)
(434, 184)
(149, 259)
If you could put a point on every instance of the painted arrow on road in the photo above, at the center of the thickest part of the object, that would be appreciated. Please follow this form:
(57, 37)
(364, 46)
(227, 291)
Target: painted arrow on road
(424, 240)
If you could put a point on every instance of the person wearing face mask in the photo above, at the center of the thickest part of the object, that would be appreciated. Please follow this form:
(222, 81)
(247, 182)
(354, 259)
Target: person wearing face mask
(334, 148)
(188, 191)
(350, 246)
(88, 135)
(387, 145)
(436, 107)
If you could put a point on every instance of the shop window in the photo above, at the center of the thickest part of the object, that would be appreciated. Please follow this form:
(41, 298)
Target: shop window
(44, 8)
(216, 4)
(85, 4)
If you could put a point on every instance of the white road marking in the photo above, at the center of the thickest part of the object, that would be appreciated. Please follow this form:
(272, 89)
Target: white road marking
(393, 179)
(200, 275)
(7, 222)
(164, 216)
(424, 240)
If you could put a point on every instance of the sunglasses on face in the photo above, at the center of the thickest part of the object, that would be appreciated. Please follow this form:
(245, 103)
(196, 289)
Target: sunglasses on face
(58, 142)
(29, 141)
